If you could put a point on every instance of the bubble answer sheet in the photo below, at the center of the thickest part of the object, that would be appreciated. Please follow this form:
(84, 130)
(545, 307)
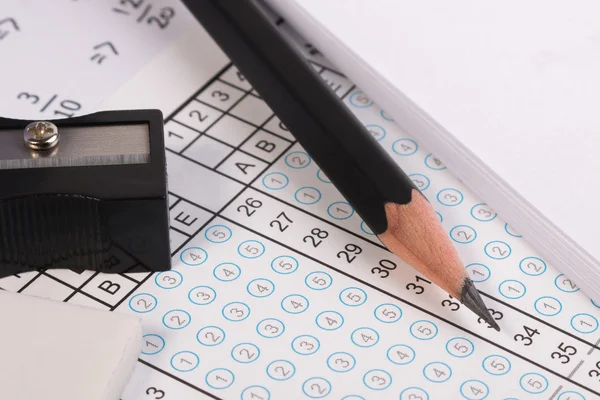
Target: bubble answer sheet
(278, 289)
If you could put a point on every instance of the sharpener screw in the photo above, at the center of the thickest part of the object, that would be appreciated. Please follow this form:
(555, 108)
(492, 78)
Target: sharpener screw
(41, 135)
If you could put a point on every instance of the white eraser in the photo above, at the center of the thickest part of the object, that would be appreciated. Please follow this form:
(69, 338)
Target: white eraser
(58, 351)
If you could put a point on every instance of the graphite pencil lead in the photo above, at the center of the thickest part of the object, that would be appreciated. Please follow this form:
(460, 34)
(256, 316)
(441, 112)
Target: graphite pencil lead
(471, 298)
(365, 174)
(415, 233)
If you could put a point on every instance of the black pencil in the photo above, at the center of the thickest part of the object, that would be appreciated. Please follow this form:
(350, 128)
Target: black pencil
(380, 192)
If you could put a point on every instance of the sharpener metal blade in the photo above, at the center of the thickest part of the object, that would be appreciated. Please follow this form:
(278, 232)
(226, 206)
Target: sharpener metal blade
(79, 146)
(84, 193)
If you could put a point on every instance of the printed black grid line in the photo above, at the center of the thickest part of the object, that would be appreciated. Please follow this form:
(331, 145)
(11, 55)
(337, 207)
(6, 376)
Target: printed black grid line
(249, 185)
(238, 148)
(566, 333)
(206, 224)
(80, 288)
(197, 93)
(126, 275)
(126, 296)
(240, 193)
(15, 275)
(238, 73)
(74, 289)
(223, 113)
(541, 321)
(245, 186)
(373, 242)
(215, 139)
(251, 123)
(228, 113)
(182, 381)
(257, 95)
(197, 206)
(175, 203)
(593, 346)
(134, 289)
(264, 128)
(27, 284)
(77, 289)
(234, 148)
(510, 351)
(258, 128)
(210, 221)
(178, 109)
(178, 215)
(139, 284)
(179, 231)
(189, 238)
(233, 85)
(252, 91)
(308, 213)
(268, 194)
(216, 171)
(514, 308)
(235, 117)
(582, 340)
(18, 276)
(331, 223)
(413, 305)
(219, 214)
(204, 166)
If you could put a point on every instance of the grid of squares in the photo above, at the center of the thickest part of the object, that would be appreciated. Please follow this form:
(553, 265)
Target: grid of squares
(227, 128)
(87, 288)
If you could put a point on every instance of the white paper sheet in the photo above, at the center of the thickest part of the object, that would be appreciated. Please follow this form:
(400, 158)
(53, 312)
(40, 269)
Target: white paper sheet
(279, 291)
(505, 92)
(60, 58)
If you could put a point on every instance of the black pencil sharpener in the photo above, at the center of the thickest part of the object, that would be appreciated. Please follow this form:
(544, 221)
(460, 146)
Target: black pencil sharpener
(84, 193)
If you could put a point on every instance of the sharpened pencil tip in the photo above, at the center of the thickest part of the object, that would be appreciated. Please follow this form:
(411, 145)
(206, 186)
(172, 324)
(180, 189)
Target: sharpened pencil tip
(470, 297)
